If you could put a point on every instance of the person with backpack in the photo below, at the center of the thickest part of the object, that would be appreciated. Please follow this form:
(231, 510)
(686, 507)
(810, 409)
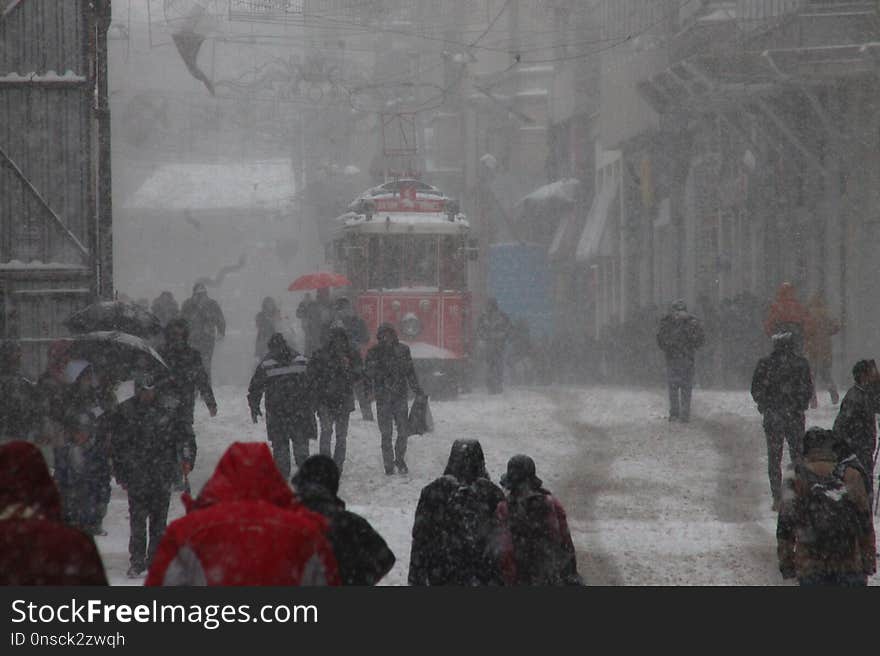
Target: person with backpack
(824, 533)
(535, 544)
(856, 423)
(782, 388)
(455, 524)
(680, 334)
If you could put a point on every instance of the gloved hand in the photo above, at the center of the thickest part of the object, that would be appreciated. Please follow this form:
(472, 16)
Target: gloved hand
(185, 467)
(212, 410)
(255, 414)
(787, 571)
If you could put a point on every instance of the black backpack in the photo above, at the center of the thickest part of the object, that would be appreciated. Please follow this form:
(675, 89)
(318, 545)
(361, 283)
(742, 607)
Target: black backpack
(537, 549)
(831, 520)
(470, 522)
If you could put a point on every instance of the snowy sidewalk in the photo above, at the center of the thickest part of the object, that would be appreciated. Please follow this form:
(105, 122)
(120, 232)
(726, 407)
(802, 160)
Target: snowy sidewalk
(649, 502)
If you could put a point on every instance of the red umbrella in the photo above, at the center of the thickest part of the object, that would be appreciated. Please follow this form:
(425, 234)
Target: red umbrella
(319, 280)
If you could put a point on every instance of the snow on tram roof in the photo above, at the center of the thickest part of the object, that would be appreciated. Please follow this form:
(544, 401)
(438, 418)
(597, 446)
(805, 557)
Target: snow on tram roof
(424, 222)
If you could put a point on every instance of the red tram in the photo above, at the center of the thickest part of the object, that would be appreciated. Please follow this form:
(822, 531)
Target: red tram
(404, 246)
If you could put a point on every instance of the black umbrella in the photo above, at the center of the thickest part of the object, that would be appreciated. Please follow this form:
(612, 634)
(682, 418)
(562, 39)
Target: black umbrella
(118, 354)
(115, 316)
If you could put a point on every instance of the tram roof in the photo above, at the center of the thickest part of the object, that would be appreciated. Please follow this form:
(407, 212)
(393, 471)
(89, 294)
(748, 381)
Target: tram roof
(404, 223)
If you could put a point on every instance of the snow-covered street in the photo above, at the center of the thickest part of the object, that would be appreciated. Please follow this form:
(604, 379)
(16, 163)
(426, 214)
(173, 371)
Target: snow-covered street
(649, 502)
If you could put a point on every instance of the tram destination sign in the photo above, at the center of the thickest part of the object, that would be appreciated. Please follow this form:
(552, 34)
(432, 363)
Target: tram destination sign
(271, 11)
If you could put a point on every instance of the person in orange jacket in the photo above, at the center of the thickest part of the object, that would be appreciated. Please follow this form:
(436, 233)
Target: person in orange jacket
(788, 315)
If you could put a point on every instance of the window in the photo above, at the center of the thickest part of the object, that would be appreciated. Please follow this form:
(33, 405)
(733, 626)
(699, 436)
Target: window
(421, 255)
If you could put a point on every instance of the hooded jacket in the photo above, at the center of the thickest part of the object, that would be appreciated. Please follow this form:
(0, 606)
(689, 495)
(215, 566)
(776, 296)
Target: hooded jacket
(786, 313)
(245, 528)
(455, 524)
(781, 381)
(36, 547)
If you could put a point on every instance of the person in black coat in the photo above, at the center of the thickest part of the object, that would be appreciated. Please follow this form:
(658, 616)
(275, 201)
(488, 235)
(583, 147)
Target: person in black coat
(680, 334)
(494, 328)
(206, 323)
(284, 378)
(346, 318)
(856, 423)
(455, 524)
(82, 462)
(187, 375)
(144, 449)
(268, 321)
(165, 307)
(362, 555)
(334, 369)
(390, 370)
(782, 388)
(535, 544)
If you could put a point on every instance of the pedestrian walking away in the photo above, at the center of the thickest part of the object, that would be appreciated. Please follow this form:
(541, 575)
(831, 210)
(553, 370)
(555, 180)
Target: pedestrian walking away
(535, 544)
(144, 449)
(246, 527)
(455, 529)
(268, 321)
(335, 368)
(390, 370)
(283, 377)
(36, 546)
(187, 375)
(782, 389)
(494, 328)
(788, 315)
(825, 534)
(362, 555)
(346, 318)
(679, 335)
(206, 323)
(856, 422)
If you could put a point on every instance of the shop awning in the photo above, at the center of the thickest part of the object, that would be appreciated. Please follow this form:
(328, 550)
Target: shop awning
(590, 244)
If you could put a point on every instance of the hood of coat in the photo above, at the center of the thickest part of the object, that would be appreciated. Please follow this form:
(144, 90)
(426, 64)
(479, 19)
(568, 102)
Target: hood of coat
(466, 461)
(27, 489)
(246, 472)
(786, 293)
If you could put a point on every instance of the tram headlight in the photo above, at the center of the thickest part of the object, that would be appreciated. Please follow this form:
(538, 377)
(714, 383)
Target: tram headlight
(410, 325)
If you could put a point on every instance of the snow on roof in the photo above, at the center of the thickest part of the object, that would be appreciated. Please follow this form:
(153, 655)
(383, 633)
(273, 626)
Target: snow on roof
(268, 183)
(48, 76)
(37, 264)
(423, 222)
(563, 190)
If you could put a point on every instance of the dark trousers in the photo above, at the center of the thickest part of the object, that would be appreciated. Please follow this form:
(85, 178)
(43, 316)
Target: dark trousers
(333, 420)
(282, 433)
(83, 477)
(363, 399)
(680, 382)
(147, 506)
(781, 427)
(495, 369)
(391, 412)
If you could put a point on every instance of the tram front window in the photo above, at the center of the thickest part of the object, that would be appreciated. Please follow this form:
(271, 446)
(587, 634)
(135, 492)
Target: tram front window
(422, 261)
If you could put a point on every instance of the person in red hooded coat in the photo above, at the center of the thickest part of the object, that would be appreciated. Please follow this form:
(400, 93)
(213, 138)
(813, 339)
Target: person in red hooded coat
(788, 315)
(36, 547)
(246, 527)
